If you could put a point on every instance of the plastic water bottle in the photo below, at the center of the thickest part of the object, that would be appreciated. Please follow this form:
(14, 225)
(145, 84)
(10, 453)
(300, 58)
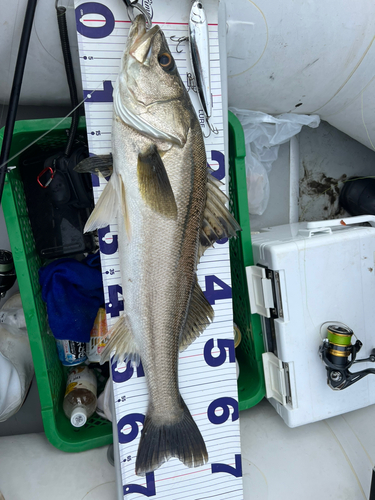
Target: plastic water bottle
(80, 395)
(71, 353)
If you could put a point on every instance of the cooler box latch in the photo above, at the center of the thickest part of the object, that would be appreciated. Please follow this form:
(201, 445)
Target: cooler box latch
(277, 377)
(260, 291)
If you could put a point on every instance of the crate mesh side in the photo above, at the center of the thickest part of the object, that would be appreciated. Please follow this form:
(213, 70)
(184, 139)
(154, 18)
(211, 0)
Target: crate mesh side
(50, 372)
(241, 307)
(36, 306)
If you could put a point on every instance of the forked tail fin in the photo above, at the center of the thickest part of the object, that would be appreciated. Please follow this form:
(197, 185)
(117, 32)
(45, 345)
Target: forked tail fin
(160, 442)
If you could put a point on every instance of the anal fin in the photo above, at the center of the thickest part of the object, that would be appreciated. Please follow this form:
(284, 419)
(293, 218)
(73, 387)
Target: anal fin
(200, 315)
(122, 341)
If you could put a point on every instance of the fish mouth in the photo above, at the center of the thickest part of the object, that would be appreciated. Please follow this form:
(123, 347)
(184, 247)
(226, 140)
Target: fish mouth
(140, 40)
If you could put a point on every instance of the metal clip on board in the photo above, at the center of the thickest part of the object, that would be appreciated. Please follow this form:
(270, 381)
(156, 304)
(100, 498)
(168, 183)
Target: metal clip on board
(134, 4)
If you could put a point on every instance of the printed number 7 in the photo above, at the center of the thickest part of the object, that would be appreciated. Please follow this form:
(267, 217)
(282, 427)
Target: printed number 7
(235, 471)
(149, 490)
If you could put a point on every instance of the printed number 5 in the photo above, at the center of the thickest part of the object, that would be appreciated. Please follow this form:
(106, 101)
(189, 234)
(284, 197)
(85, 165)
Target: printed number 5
(221, 358)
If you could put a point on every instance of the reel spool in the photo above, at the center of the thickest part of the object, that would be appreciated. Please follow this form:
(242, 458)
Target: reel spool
(339, 354)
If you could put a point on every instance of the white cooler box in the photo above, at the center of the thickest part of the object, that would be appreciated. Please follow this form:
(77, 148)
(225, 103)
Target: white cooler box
(307, 274)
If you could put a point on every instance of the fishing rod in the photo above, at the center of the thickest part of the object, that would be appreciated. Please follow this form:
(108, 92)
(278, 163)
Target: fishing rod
(16, 91)
(7, 269)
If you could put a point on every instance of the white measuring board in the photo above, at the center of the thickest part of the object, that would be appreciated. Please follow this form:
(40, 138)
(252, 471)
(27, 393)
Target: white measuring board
(207, 369)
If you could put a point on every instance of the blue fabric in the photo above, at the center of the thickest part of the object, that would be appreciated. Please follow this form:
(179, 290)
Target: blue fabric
(73, 292)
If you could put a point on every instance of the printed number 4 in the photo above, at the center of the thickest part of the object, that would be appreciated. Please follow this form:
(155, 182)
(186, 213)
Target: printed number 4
(212, 294)
(114, 306)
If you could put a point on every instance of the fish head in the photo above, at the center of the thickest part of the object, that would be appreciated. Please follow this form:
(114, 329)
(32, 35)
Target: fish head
(150, 95)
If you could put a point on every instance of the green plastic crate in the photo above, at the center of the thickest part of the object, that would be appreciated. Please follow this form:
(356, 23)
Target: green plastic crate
(50, 374)
(251, 386)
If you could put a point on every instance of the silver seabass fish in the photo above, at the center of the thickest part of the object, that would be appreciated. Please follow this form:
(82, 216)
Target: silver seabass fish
(169, 210)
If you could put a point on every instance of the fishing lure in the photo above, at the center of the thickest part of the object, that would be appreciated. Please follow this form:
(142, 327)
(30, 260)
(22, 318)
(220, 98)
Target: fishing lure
(200, 54)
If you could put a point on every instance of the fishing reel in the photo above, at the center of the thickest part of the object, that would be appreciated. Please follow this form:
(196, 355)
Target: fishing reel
(339, 354)
(7, 272)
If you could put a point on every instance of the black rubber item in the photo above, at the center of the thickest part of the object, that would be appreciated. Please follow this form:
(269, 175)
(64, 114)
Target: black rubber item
(64, 37)
(59, 212)
(358, 196)
(16, 90)
(7, 272)
(372, 488)
(110, 455)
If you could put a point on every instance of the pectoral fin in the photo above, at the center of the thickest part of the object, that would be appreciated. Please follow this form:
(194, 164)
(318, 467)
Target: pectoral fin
(154, 184)
(200, 315)
(111, 203)
(106, 208)
(102, 164)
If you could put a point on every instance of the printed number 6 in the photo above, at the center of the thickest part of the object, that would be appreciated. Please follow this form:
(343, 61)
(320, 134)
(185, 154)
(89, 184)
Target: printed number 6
(132, 419)
(225, 404)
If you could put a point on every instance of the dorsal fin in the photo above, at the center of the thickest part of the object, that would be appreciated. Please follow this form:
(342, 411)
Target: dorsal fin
(199, 317)
(218, 222)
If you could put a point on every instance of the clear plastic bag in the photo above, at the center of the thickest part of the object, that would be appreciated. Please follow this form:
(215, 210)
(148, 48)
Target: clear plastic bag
(263, 136)
(16, 364)
(13, 319)
(105, 402)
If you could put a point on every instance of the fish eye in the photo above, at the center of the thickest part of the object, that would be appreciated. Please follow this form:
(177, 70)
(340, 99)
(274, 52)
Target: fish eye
(166, 61)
